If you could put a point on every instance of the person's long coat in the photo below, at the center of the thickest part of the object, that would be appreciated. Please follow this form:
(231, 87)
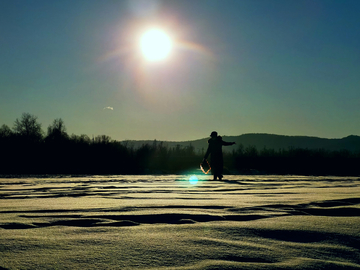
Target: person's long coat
(215, 152)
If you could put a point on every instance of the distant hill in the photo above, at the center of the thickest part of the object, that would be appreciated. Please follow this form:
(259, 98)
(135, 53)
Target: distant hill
(269, 141)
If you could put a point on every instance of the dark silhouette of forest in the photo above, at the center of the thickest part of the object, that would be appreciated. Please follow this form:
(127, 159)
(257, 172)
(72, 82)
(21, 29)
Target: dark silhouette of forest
(27, 149)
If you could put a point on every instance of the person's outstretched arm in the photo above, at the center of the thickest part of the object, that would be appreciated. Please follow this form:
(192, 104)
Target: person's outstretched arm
(227, 143)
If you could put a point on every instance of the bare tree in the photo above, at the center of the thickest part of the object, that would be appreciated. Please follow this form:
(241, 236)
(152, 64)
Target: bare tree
(5, 131)
(57, 130)
(82, 139)
(102, 139)
(28, 127)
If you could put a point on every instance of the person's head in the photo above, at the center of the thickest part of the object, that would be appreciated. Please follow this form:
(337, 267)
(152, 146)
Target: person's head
(213, 134)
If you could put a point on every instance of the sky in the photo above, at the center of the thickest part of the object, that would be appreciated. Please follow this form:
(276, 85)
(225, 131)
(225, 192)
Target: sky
(236, 66)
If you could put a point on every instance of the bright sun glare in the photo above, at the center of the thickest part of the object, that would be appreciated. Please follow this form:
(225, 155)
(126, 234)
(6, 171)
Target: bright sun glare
(155, 45)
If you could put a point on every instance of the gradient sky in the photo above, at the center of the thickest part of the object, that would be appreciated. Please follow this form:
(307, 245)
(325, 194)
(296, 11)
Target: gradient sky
(238, 66)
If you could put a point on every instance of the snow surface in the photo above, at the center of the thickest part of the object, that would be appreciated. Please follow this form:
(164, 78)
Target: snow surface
(180, 222)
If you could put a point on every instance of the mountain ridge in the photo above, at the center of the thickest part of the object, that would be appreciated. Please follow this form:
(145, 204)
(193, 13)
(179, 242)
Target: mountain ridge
(263, 140)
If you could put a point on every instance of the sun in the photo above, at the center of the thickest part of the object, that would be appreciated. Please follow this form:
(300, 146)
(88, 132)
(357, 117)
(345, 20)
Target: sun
(155, 45)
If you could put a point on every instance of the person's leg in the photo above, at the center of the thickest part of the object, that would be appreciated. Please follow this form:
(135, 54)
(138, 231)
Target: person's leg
(217, 166)
(220, 168)
(215, 173)
(213, 167)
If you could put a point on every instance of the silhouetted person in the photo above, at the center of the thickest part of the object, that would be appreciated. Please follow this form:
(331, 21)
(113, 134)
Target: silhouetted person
(215, 150)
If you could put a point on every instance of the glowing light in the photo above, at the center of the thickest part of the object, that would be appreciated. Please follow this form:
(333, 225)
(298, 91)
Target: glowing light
(205, 167)
(193, 180)
(155, 45)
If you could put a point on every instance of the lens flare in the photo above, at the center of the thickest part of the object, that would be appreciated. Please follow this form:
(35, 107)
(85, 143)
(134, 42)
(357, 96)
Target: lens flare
(193, 180)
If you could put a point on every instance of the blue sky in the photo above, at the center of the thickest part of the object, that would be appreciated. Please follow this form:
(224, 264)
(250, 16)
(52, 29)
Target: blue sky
(239, 66)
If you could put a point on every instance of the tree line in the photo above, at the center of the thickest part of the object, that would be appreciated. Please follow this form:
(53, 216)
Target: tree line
(27, 149)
